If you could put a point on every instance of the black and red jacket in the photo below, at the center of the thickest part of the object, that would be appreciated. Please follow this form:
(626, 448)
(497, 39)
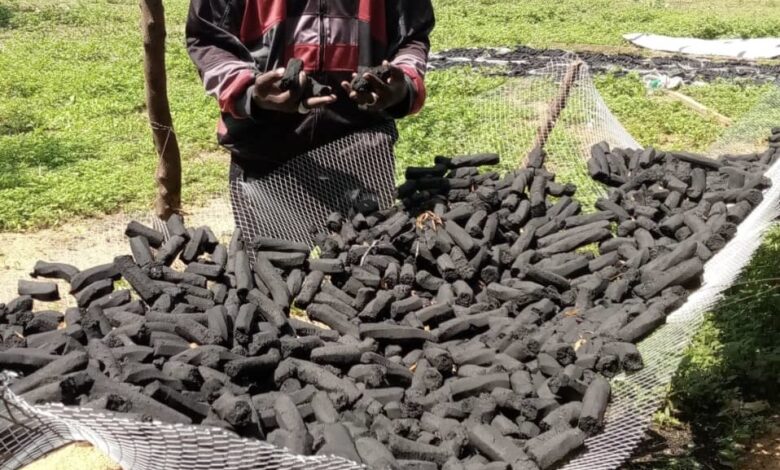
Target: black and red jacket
(231, 41)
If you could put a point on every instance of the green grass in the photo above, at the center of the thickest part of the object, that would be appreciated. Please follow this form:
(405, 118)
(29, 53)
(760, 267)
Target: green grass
(726, 387)
(540, 23)
(657, 120)
(74, 138)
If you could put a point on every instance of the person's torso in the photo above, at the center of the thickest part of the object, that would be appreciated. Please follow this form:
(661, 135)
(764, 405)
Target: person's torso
(334, 39)
(329, 36)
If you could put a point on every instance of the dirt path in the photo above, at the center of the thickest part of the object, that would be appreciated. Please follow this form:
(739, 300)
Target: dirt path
(85, 243)
(763, 453)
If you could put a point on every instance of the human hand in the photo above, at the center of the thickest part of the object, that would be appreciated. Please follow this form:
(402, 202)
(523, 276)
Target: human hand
(268, 95)
(382, 94)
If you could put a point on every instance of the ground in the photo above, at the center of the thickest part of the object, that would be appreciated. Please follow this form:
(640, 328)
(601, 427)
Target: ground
(75, 145)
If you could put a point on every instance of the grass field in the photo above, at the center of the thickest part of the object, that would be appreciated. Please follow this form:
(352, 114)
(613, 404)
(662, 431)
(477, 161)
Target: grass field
(73, 130)
(74, 141)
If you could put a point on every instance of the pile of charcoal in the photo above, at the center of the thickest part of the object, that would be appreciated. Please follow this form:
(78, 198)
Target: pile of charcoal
(473, 325)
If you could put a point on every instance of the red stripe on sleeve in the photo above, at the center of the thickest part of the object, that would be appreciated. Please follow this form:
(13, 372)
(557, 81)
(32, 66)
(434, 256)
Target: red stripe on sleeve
(236, 87)
(419, 86)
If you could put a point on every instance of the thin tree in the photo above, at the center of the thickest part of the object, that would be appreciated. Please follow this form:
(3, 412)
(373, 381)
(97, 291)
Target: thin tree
(168, 174)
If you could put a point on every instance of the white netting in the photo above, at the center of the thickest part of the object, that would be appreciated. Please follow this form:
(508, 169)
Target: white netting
(28, 433)
(514, 111)
(289, 201)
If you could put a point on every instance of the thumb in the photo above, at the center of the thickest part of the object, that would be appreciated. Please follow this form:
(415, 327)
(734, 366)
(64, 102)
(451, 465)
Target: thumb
(269, 78)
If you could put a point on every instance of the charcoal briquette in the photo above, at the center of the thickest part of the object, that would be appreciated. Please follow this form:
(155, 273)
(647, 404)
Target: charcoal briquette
(136, 229)
(39, 290)
(54, 270)
(548, 452)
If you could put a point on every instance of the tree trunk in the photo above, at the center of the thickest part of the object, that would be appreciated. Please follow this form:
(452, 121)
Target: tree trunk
(168, 175)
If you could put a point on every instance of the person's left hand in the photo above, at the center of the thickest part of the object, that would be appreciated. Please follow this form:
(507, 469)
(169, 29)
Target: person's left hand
(384, 94)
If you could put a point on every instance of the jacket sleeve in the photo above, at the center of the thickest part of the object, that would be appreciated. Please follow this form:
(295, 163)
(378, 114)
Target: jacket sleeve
(223, 62)
(415, 23)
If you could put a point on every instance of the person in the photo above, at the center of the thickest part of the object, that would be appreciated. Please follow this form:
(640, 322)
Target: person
(240, 48)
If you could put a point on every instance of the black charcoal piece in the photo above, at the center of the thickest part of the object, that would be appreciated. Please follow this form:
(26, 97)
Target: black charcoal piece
(185, 373)
(327, 266)
(235, 410)
(271, 278)
(698, 160)
(395, 372)
(475, 160)
(93, 292)
(54, 370)
(271, 311)
(54, 270)
(206, 270)
(39, 290)
(575, 241)
(284, 260)
(195, 332)
(244, 324)
(491, 443)
(136, 229)
(177, 401)
(469, 386)
(134, 275)
(537, 195)
(324, 410)
(275, 244)
(614, 208)
(374, 454)
(332, 318)
(339, 442)
(92, 275)
(548, 452)
(219, 256)
(337, 355)
(175, 225)
(311, 285)
(194, 245)
(435, 313)
(170, 249)
(395, 333)
(289, 419)
(461, 238)
(407, 449)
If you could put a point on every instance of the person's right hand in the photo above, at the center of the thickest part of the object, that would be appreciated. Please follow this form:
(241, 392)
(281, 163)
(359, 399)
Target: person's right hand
(268, 96)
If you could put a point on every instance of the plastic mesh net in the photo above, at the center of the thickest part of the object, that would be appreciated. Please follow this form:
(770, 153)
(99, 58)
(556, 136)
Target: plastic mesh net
(299, 195)
(31, 432)
(514, 111)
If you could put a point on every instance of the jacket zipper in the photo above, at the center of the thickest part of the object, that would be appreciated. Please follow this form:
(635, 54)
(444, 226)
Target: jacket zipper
(323, 9)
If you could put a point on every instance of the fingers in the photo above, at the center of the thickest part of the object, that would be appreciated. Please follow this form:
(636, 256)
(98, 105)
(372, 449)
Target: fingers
(267, 79)
(302, 79)
(379, 86)
(319, 101)
(396, 73)
(280, 98)
(363, 98)
(347, 87)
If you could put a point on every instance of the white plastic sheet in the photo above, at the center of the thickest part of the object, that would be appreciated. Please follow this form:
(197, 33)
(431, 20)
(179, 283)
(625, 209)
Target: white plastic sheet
(760, 48)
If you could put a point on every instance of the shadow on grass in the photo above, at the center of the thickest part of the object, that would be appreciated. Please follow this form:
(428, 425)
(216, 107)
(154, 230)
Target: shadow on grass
(25, 157)
(5, 16)
(726, 387)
